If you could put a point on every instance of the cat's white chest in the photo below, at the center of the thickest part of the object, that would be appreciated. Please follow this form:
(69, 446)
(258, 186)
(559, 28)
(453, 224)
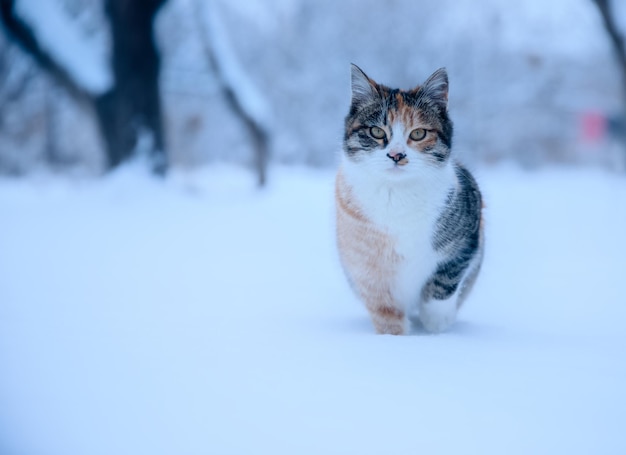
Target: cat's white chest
(408, 213)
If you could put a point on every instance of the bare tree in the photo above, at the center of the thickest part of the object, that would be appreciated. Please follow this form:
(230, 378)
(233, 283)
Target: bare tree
(248, 105)
(131, 108)
(619, 46)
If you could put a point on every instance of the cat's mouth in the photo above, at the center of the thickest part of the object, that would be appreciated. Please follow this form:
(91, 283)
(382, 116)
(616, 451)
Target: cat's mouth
(398, 169)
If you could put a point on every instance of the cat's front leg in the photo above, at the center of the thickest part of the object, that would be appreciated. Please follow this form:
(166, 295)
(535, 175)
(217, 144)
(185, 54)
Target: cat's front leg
(439, 300)
(438, 315)
(387, 317)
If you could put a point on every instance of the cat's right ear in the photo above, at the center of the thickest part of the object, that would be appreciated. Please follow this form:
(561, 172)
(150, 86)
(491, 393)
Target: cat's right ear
(363, 88)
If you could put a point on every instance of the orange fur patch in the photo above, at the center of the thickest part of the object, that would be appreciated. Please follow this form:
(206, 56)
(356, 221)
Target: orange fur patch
(406, 114)
(389, 312)
(369, 260)
(411, 118)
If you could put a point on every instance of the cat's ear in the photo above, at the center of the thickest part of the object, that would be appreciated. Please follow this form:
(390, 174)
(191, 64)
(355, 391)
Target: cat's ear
(436, 88)
(363, 88)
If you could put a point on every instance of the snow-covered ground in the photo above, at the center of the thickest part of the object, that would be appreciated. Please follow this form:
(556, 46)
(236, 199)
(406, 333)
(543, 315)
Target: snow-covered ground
(201, 316)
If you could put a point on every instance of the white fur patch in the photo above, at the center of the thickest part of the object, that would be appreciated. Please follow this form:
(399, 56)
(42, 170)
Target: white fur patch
(404, 202)
(438, 315)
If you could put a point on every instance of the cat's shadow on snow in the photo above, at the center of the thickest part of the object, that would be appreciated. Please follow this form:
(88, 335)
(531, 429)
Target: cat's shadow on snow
(458, 328)
(364, 325)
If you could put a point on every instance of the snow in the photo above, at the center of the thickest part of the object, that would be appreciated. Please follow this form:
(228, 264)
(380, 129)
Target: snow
(198, 315)
(555, 29)
(83, 57)
(563, 28)
(267, 16)
(619, 16)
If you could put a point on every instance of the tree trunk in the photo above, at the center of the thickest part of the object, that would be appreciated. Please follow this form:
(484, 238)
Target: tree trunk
(130, 111)
(257, 130)
(132, 107)
(619, 46)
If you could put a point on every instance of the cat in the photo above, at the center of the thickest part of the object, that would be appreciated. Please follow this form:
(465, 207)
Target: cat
(409, 219)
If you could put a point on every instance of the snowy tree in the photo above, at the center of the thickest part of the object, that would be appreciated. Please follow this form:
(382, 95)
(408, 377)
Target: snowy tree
(124, 96)
(619, 46)
(239, 81)
(239, 92)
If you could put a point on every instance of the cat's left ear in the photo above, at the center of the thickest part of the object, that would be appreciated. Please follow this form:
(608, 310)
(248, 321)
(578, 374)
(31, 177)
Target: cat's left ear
(436, 88)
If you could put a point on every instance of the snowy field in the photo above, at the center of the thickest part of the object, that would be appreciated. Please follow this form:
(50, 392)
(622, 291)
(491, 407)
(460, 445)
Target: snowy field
(200, 316)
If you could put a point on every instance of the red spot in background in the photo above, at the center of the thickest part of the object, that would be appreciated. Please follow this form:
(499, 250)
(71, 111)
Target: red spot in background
(593, 126)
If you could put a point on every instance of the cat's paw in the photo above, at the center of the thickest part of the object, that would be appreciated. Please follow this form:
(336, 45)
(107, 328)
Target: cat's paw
(389, 327)
(388, 320)
(438, 315)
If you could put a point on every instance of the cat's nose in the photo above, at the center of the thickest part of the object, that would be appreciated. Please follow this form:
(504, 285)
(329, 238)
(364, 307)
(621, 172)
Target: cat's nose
(396, 156)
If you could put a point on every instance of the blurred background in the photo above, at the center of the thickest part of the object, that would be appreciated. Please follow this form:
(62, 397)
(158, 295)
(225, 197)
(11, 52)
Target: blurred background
(87, 84)
(195, 314)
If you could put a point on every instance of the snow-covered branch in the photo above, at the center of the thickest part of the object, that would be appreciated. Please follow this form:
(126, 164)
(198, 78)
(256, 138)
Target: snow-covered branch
(25, 37)
(58, 36)
(242, 96)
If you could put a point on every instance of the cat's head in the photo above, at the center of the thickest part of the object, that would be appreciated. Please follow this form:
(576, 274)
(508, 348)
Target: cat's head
(396, 131)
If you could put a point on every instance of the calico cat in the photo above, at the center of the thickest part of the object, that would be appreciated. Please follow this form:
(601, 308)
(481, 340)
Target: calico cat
(409, 217)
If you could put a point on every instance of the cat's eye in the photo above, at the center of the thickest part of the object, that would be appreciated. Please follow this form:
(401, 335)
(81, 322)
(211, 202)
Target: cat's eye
(418, 134)
(377, 133)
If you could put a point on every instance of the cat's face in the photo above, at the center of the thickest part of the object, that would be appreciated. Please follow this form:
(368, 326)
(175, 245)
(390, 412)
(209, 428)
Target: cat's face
(398, 132)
